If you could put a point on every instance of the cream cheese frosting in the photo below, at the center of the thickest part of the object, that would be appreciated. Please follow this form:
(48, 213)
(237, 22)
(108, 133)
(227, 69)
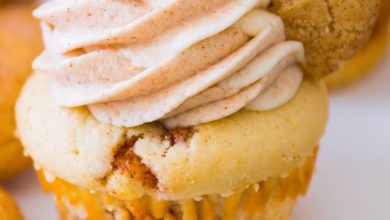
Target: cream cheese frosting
(178, 62)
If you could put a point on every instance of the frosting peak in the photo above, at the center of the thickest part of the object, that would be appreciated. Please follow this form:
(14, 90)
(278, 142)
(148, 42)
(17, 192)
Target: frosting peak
(175, 61)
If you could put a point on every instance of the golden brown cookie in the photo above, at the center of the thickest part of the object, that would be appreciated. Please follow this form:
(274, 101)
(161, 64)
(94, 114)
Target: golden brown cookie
(368, 56)
(8, 208)
(331, 30)
(20, 42)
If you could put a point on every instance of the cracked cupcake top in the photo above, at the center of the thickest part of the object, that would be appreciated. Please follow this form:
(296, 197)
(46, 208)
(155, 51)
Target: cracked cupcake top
(218, 157)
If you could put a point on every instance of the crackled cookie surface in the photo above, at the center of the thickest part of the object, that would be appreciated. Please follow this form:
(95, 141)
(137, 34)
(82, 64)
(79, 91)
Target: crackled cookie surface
(331, 30)
(368, 56)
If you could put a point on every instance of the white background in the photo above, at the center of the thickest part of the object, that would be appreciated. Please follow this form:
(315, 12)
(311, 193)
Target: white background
(353, 170)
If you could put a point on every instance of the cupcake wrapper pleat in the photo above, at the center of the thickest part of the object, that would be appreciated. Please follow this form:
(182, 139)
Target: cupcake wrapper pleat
(270, 199)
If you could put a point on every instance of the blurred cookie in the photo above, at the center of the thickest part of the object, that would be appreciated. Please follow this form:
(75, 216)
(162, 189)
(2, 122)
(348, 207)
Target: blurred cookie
(20, 42)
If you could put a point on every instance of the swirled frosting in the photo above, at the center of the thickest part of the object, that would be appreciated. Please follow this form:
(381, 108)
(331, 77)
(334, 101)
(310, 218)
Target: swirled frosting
(180, 62)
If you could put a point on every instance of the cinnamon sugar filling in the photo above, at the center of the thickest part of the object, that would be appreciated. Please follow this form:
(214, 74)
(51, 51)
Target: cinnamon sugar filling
(127, 162)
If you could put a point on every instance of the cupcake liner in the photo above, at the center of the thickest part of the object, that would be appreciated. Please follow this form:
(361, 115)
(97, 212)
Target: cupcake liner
(270, 199)
(8, 207)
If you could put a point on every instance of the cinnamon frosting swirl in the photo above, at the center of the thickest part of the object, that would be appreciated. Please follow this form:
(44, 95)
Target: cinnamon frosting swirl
(180, 62)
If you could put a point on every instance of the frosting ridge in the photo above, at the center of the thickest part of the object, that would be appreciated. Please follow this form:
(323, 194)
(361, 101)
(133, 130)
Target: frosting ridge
(178, 62)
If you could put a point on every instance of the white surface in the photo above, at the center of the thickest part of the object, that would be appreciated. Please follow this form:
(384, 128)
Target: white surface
(353, 171)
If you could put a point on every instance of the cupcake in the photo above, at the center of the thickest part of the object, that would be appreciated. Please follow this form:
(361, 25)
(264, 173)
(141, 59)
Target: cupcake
(20, 42)
(368, 56)
(179, 109)
(8, 208)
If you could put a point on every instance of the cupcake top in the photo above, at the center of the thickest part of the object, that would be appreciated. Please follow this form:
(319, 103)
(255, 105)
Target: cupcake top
(220, 157)
(182, 63)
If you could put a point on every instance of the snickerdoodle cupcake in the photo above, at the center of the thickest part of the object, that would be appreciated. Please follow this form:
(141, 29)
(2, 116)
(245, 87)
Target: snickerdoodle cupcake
(182, 109)
(20, 42)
